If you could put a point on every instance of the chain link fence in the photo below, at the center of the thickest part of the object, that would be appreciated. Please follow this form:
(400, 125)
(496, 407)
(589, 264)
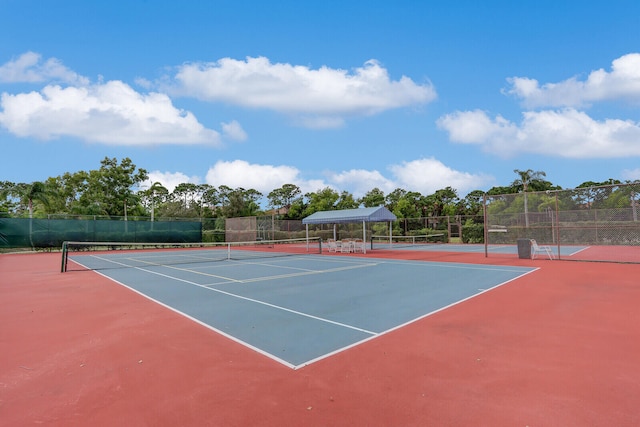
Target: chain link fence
(590, 224)
(599, 223)
(459, 228)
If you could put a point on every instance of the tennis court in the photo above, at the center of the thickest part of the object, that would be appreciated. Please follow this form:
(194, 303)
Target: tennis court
(389, 337)
(295, 309)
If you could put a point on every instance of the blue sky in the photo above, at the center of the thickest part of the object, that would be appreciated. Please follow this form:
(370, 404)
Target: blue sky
(344, 94)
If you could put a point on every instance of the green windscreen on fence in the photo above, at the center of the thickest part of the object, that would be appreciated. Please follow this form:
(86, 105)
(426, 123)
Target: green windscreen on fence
(50, 233)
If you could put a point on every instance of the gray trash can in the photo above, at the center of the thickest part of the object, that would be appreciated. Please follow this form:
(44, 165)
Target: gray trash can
(524, 248)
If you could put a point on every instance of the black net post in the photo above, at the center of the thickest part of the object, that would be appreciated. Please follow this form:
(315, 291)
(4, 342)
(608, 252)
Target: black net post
(65, 251)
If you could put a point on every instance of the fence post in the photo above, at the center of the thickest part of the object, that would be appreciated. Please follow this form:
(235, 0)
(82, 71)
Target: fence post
(557, 225)
(486, 225)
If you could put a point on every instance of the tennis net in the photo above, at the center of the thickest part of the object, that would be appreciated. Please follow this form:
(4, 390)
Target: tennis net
(390, 242)
(106, 255)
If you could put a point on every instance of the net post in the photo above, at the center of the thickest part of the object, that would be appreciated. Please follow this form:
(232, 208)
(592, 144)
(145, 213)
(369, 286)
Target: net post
(65, 251)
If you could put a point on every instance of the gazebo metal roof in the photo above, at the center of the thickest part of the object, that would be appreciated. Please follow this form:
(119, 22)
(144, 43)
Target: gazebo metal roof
(377, 214)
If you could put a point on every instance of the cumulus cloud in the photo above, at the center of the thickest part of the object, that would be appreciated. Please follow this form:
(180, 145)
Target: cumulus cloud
(31, 68)
(558, 132)
(622, 82)
(476, 126)
(234, 131)
(421, 175)
(320, 97)
(264, 178)
(564, 133)
(109, 113)
(169, 180)
(428, 175)
(360, 181)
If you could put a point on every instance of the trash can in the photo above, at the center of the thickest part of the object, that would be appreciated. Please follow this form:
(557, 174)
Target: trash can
(524, 248)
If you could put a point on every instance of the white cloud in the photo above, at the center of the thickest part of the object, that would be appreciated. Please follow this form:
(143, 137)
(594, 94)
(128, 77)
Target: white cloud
(360, 181)
(29, 68)
(169, 180)
(315, 97)
(109, 113)
(476, 126)
(564, 133)
(422, 175)
(426, 176)
(143, 83)
(264, 178)
(622, 82)
(234, 131)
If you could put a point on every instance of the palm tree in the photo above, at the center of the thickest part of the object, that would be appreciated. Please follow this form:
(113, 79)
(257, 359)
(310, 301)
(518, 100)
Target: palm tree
(36, 191)
(29, 193)
(156, 187)
(525, 180)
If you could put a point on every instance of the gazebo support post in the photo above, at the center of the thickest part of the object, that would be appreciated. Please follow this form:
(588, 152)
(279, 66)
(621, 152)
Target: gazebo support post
(364, 237)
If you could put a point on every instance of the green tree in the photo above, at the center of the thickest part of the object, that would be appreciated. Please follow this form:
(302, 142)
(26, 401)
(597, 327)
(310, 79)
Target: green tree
(346, 201)
(240, 202)
(153, 196)
(76, 196)
(592, 194)
(321, 200)
(409, 205)
(7, 202)
(442, 202)
(284, 196)
(187, 194)
(56, 200)
(223, 194)
(373, 198)
(30, 194)
(252, 198)
(210, 199)
(297, 209)
(526, 181)
(447, 199)
(394, 197)
(471, 204)
(500, 190)
(110, 189)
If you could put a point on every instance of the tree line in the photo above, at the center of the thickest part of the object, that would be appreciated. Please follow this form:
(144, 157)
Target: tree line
(115, 190)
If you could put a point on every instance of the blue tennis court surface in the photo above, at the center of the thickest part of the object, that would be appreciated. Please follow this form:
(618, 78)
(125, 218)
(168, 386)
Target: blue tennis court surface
(299, 309)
